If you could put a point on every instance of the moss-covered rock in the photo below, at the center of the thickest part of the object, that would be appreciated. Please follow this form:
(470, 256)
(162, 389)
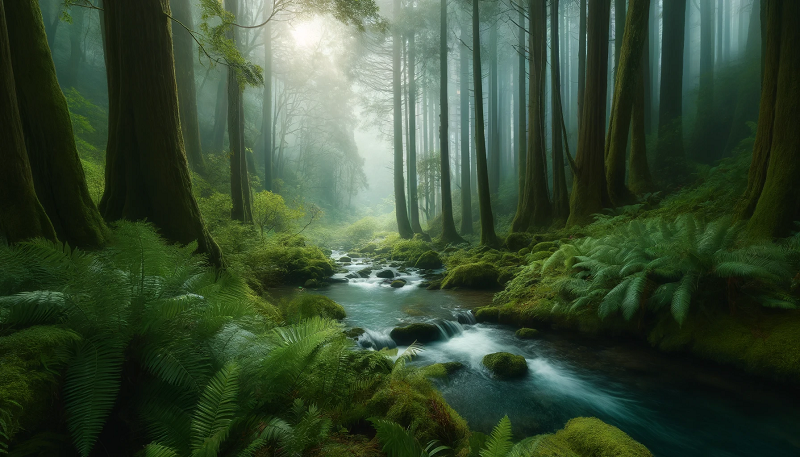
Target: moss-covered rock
(518, 240)
(385, 274)
(486, 314)
(409, 250)
(541, 255)
(420, 332)
(312, 284)
(308, 305)
(589, 436)
(398, 283)
(354, 332)
(505, 365)
(479, 275)
(524, 251)
(527, 333)
(545, 246)
(365, 272)
(429, 261)
(346, 445)
(345, 259)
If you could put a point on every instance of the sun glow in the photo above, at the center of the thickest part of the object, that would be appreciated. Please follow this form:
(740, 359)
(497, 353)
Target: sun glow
(307, 33)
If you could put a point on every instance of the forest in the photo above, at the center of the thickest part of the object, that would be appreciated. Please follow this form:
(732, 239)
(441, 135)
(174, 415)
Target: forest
(403, 228)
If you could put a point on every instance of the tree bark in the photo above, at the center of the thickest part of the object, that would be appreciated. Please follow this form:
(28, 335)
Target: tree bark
(670, 109)
(57, 171)
(625, 89)
(220, 115)
(560, 195)
(240, 182)
(488, 236)
(773, 191)
(413, 198)
(466, 172)
(536, 210)
(703, 142)
(522, 142)
(581, 60)
(76, 30)
(619, 32)
(147, 175)
(21, 214)
(401, 211)
(589, 194)
(183, 47)
(266, 110)
(639, 179)
(494, 112)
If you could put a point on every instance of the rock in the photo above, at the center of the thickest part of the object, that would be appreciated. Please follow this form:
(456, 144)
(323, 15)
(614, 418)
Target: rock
(487, 314)
(541, 255)
(337, 280)
(353, 276)
(442, 370)
(309, 305)
(518, 240)
(435, 284)
(524, 251)
(364, 273)
(422, 333)
(345, 259)
(430, 260)
(354, 332)
(589, 436)
(386, 274)
(397, 283)
(545, 246)
(480, 275)
(505, 365)
(527, 333)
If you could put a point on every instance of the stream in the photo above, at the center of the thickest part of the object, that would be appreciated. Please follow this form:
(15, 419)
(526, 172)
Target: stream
(673, 405)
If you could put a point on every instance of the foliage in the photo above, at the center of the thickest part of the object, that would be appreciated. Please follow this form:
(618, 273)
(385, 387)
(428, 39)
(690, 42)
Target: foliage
(308, 305)
(656, 265)
(271, 213)
(400, 442)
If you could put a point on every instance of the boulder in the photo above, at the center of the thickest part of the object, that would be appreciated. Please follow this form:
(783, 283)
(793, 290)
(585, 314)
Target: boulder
(479, 275)
(386, 274)
(505, 365)
(309, 305)
(364, 273)
(354, 332)
(345, 259)
(589, 436)
(422, 333)
(487, 314)
(527, 333)
(397, 283)
(518, 240)
(430, 260)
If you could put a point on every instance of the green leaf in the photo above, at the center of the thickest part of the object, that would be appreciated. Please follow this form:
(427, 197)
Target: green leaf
(499, 442)
(215, 411)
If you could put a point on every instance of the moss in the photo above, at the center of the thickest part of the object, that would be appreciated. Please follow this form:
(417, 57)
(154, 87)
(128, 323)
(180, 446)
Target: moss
(589, 436)
(541, 255)
(518, 240)
(420, 332)
(364, 273)
(479, 275)
(409, 250)
(486, 314)
(354, 332)
(441, 370)
(551, 445)
(545, 246)
(429, 261)
(386, 274)
(527, 333)
(505, 365)
(345, 259)
(345, 445)
(524, 251)
(309, 305)
(398, 283)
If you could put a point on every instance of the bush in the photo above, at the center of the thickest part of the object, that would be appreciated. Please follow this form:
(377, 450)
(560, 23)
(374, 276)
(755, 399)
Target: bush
(360, 232)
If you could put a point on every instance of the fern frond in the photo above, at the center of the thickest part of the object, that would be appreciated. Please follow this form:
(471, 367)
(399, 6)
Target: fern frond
(215, 410)
(682, 297)
(157, 450)
(32, 308)
(499, 442)
(410, 352)
(397, 441)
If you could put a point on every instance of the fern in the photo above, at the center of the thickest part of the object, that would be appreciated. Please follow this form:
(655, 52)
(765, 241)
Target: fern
(499, 442)
(215, 411)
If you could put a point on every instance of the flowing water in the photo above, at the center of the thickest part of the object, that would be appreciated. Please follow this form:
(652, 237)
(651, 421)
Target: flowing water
(675, 407)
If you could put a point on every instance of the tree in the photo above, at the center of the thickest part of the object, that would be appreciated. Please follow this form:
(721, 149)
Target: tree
(183, 49)
(670, 108)
(639, 179)
(522, 127)
(704, 143)
(619, 32)
(413, 199)
(449, 234)
(488, 236)
(534, 209)
(560, 195)
(76, 30)
(581, 60)
(147, 175)
(466, 172)
(400, 209)
(57, 171)
(240, 183)
(772, 197)
(266, 109)
(494, 112)
(21, 214)
(625, 90)
(589, 194)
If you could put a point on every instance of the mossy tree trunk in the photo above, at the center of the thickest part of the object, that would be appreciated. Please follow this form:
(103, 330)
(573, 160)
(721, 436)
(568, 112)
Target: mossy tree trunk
(466, 172)
(400, 208)
(560, 195)
(240, 182)
(488, 236)
(639, 179)
(21, 214)
(266, 110)
(581, 60)
(449, 233)
(522, 115)
(413, 198)
(147, 175)
(619, 32)
(183, 48)
(773, 190)
(625, 90)
(57, 171)
(704, 144)
(536, 210)
(670, 108)
(589, 194)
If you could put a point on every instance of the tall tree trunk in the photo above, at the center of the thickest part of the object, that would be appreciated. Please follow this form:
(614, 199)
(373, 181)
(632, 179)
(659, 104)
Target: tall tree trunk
(21, 214)
(76, 30)
(655, 59)
(401, 211)
(466, 172)
(581, 60)
(266, 110)
(773, 191)
(670, 107)
(625, 91)
(560, 195)
(639, 178)
(619, 32)
(147, 175)
(494, 112)
(413, 198)
(589, 194)
(488, 236)
(536, 210)
(522, 141)
(57, 171)
(719, 10)
(704, 142)
(220, 115)
(183, 47)
(240, 183)
(647, 74)
(449, 234)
